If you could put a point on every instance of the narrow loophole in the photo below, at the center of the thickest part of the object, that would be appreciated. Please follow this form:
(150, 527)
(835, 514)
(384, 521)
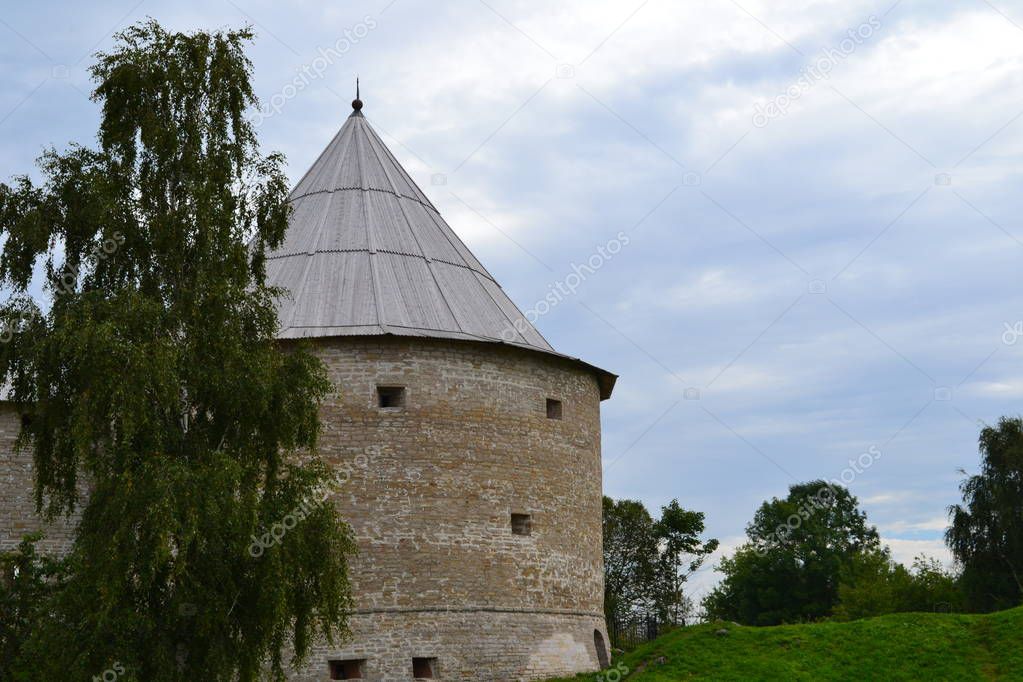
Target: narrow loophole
(521, 524)
(424, 668)
(554, 409)
(391, 396)
(347, 670)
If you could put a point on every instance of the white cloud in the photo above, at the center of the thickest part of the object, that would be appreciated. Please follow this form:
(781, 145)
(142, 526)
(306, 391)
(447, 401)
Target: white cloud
(905, 551)
(888, 498)
(935, 523)
(711, 288)
(1007, 388)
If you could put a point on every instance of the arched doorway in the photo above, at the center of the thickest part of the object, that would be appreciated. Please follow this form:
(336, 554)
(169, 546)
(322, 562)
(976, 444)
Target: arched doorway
(598, 644)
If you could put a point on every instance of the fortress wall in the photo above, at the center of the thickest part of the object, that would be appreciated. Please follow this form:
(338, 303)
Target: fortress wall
(17, 493)
(429, 490)
(430, 499)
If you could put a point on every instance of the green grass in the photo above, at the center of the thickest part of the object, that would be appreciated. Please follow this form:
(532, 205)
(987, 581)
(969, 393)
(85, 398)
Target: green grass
(906, 646)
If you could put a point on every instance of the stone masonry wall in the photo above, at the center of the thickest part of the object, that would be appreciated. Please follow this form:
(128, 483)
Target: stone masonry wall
(17, 493)
(431, 491)
(483, 646)
(430, 499)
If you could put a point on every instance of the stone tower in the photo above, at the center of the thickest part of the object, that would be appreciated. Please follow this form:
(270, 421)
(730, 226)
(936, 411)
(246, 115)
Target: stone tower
(473, 447)
(470, 448)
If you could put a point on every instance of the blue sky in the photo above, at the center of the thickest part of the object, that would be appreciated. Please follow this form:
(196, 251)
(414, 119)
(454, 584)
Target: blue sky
(799, 286)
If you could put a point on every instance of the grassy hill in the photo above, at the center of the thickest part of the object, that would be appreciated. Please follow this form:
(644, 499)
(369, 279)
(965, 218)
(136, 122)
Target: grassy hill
(908, 646)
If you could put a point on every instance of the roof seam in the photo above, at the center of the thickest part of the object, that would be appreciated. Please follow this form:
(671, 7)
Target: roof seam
(415, 237)
(370, 241)
(309, 265)
(401, 168)
(364, 189)
(299, 254)
(511, 322)
(443, 227)
(339, 141)
(319, 158)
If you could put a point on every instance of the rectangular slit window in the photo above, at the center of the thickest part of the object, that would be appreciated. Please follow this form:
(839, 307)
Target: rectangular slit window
(424, 668)
(522, 524)
(553, 408)
(347, 670)
(391, 396)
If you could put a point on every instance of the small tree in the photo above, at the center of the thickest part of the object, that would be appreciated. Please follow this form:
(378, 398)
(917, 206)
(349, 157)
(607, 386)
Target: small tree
(647, 562)
(155, 382)
(630, 558)
(986, 531)
(682, 553)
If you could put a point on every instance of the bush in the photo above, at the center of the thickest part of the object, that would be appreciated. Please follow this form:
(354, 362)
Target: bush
(875, 585)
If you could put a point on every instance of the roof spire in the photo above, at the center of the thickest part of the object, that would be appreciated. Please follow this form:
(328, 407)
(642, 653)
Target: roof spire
(356, 103)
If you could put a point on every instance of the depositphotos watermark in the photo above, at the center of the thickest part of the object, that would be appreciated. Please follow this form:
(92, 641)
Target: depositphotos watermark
(818, 501)
(613, 674)
(1013, 333)
(316, 499)
(111, 674)
(819, 70)
(560, 290)
(313, 71)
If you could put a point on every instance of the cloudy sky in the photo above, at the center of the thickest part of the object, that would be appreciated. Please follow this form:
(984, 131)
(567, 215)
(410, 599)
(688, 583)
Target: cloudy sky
(820, 201)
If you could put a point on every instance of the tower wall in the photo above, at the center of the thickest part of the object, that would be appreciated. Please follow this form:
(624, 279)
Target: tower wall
(429, 489)
(18, 515)
(432, 488)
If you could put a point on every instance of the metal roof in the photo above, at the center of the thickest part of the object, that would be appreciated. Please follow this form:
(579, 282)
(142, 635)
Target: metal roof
(366, 254)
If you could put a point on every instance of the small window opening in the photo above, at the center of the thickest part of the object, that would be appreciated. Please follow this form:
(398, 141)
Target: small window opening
(553, 408)
(391, 396)
(424, 668)
(522, 524)
(26, 420)
(347, 670)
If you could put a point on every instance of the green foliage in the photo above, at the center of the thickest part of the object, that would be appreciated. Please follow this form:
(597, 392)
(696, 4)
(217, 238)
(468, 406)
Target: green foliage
(630, 557)
(874, 585)
(647, 562)
(682, 553)
(986, 532)
(934, 588)
(798, 547)
(27, 580)
(156, 384)
(900, 647)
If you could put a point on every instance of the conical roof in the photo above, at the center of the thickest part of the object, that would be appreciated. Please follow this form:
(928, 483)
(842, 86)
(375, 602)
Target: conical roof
(366, 253)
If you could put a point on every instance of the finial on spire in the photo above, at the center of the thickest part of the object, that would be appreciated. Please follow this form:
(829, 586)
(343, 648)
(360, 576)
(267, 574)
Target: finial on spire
(357, 103)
